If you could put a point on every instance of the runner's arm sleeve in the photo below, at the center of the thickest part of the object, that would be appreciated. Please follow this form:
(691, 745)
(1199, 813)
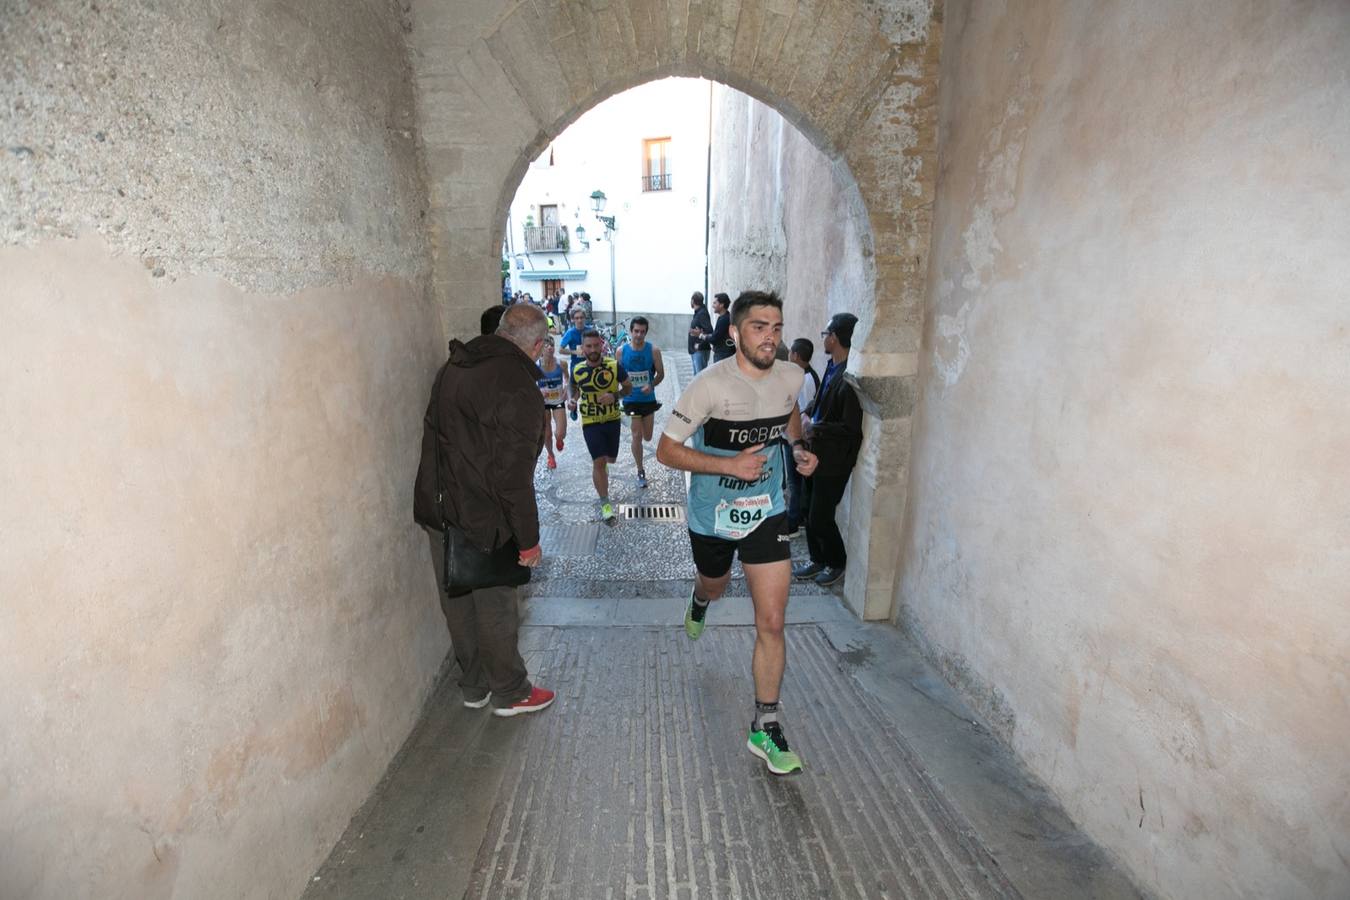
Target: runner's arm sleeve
(690, 412)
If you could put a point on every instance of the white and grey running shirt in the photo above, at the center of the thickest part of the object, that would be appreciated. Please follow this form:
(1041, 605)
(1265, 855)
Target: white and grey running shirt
(725, 411)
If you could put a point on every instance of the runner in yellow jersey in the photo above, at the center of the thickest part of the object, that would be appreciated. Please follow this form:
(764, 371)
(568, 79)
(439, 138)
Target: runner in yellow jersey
(598, 383)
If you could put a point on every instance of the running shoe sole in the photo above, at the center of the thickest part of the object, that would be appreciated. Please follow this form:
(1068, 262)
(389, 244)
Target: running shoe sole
(827, 582)
(508, 711)
(477, 704)
(795, 767)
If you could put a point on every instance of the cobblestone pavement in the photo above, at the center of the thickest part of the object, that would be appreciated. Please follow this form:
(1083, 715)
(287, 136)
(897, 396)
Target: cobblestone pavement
(641, 785)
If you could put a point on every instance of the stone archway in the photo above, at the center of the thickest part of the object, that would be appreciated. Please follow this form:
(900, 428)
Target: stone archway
(497, 81)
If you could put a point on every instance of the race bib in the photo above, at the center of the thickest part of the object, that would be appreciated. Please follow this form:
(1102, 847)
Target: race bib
(640, 380)
(736, 519)
(552, 395)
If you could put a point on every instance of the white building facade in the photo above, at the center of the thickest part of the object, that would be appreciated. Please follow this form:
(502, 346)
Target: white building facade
(647, 151)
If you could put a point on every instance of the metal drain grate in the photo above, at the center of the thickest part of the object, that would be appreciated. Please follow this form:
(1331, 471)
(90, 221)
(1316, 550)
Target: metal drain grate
(655, 512)
(569, 540)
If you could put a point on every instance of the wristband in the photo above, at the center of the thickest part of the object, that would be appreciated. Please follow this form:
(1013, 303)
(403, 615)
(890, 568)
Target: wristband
(801, 443)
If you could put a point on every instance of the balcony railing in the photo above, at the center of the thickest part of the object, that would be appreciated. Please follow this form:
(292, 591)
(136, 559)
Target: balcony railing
(656, 182)
(545, 238)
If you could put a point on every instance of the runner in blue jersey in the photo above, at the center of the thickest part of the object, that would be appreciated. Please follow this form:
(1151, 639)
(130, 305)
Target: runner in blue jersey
(569, 348)
(741, 415)
(554, 388)
(645, 370)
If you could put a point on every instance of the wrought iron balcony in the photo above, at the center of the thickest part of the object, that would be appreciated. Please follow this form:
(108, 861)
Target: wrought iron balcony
(546, 238)
(656, 182)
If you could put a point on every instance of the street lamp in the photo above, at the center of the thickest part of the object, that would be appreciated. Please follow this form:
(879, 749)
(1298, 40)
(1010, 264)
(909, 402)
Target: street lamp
(598, 205)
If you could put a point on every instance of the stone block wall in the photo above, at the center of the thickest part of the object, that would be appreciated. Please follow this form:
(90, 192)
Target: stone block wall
(216, 341)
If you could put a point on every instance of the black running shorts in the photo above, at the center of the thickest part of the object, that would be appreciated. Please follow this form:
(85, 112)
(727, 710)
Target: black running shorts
(640, 409)
(767, 543)
(602, 439)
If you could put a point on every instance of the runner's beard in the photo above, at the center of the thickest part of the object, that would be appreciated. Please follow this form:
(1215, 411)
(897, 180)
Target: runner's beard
(593, 358)
(756, 361)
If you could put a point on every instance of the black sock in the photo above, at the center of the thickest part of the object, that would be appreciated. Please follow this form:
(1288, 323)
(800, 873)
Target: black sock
(699, 608)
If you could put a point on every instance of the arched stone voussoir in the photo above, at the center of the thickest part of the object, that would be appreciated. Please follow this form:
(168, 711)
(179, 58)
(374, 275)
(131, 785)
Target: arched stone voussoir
(858, 78)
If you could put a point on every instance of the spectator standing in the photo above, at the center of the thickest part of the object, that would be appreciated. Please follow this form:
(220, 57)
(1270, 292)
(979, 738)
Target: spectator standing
(836, 435)
(700, 330)
(483, 433)
(490, 319)
(800, 354)
(723, 347)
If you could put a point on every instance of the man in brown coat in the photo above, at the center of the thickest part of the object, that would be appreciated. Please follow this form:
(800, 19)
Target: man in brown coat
(490, 416)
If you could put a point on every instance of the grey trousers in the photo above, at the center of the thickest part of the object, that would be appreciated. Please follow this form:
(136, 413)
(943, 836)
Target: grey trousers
(484, 630)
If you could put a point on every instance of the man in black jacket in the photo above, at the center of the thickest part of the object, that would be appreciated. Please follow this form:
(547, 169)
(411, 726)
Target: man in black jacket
(723, 347)
(488, 418)
(700, 330)
(836, 436)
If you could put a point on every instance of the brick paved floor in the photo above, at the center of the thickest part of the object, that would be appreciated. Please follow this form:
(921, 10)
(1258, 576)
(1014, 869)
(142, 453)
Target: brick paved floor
(638, 783)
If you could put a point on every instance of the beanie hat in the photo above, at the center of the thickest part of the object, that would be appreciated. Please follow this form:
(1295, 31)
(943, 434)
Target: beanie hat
(841, 326)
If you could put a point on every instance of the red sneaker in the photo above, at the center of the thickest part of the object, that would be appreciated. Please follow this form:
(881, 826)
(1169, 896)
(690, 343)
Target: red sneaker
(552, 463)
(560, 444)
(539, 699)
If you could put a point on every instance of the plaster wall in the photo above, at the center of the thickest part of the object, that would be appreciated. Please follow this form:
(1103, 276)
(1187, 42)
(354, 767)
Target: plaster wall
(217, 621)
(1127, 528)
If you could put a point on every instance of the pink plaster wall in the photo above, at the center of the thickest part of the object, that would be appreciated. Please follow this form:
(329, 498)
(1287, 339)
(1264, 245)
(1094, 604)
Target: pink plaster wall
(219, 621)
(1129, 526)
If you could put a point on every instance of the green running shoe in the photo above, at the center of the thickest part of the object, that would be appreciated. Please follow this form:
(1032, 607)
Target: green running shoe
(607, 513)
(770, 746)
(693, 618)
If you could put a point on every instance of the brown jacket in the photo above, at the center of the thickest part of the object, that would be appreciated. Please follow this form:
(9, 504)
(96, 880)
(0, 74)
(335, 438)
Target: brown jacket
(490, 415)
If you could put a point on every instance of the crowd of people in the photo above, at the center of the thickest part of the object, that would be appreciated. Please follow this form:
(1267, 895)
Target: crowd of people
(768, 443)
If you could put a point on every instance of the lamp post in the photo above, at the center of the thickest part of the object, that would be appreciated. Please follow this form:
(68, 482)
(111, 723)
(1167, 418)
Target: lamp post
(598, 204)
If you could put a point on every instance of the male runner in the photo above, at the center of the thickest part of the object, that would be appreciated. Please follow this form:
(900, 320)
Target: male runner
(642, 362)
(738, 411)
(569, 348)
(598, 383)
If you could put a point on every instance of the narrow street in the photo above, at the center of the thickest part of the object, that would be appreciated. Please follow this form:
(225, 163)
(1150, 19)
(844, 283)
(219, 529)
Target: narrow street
(637, 782)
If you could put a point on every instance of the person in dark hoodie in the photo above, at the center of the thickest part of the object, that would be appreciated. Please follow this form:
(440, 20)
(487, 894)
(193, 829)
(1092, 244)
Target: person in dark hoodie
(835, 433)
(723, 347)
(491, 416)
